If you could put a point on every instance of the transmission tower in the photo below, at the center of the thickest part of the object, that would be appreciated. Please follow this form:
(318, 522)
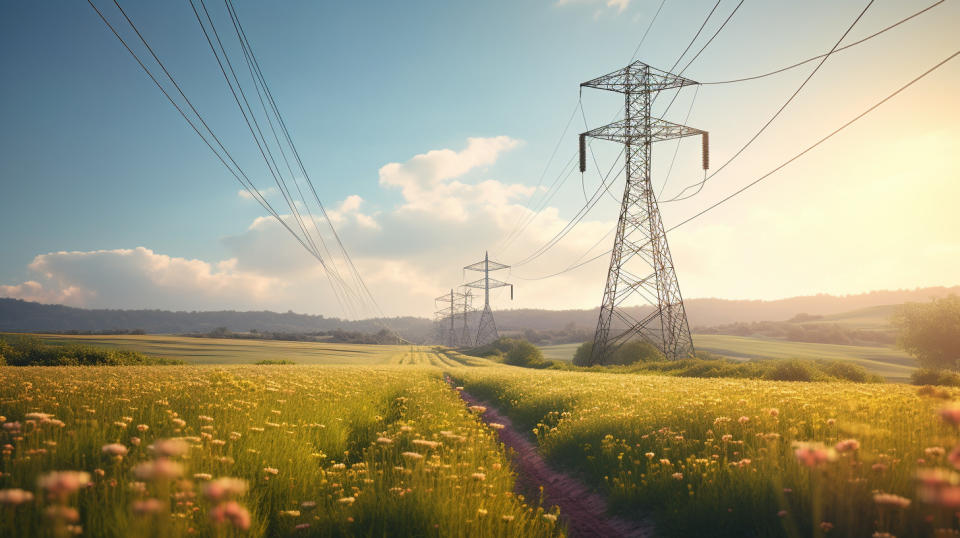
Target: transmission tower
(446, 318)
(640, 234)
(487, 329)
(466, 339)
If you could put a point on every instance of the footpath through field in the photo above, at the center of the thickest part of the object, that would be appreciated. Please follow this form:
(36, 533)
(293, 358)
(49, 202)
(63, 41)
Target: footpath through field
(583, 510)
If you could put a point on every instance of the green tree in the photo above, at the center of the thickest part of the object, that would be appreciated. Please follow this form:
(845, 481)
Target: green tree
(931, 332)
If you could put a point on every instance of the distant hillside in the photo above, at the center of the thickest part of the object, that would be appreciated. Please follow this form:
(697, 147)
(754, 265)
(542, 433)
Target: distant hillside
(711, 312)
(23, 316)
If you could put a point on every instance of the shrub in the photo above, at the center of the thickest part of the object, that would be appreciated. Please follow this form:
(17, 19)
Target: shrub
(636, 351)
(512, 351)
(270, 362)
(582, 356)
(931, 332)
(792, 370)
(848, 371)
(931, 376)
(28, 350)
(631, 352)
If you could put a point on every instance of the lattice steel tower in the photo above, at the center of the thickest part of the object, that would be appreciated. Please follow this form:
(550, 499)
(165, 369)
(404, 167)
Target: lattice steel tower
(640, 235)
(487, 330)
(446, 317)
(466, 339)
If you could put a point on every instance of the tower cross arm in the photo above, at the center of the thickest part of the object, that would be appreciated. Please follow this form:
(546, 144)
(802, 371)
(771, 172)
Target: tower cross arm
(627, 131)
(638, 77)
(480, 266)
(487, 283)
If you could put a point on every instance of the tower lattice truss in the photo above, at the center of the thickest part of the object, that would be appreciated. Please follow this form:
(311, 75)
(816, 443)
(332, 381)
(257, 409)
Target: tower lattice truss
(641, 267)
(487, 327)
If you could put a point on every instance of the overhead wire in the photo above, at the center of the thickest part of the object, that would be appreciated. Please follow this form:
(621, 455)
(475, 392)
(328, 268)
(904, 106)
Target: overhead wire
(815, 144)
(845, 47)
(260, 81)
(527, 219)
(774, 170)
(773, 118)
(577, 218)
(225, 157)
(236, 90)
(341, 289)
(647, 31)
(603, 184)
(508, 238)
(358, 277)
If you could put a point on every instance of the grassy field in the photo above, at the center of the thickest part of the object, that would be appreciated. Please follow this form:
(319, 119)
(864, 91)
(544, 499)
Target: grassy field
(890, 363)
(369, 440)
(252, 451)
(237, 351)
(724, 457)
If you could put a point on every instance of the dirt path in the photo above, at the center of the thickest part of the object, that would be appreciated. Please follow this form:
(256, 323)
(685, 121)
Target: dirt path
(584, 511)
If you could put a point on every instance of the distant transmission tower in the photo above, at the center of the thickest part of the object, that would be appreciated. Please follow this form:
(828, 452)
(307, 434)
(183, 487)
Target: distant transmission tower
(446, 318)
(640, 232)
(466, 339)
(487, 329)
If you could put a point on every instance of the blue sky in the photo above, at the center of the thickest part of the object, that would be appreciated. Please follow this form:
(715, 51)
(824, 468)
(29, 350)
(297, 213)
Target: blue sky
(94, 161)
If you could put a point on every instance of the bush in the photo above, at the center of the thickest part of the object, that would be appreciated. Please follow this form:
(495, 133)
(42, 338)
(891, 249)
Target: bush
(931, 376)
(271, 362)
(792, 370)
(28, 350)
(847, 371)
(931, 332)
(636, 351)
(582, 355)
(629, 353)
(512, 351)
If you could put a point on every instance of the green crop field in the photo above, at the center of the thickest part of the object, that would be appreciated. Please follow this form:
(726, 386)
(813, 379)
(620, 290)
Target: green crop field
(237, 351)
(890, 363)
(370, 441)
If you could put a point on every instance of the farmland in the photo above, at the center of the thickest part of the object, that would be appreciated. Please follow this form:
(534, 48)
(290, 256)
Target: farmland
(251, 450)
(890, 363)
(740, 457)
(232, 351)
(340, 448)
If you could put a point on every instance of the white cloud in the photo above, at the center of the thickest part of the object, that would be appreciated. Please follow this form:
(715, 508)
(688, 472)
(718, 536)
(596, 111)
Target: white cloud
(140, 278)
(447, 216)
(619, 5)
(425, 181)
(349, 209)
(266, 193)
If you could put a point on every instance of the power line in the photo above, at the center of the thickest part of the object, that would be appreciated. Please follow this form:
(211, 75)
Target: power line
(695, 36)
(260, 81)
(776, 114)
(845, 47)
(603, 183)
(260, 140)
(714, 36)
(817, 143)
(649, 26)
(346, 254)
(237, 173)
(676, 149)
(576, 220)
(527, 220)
(771, 172)
(521, 218)
(338, 285)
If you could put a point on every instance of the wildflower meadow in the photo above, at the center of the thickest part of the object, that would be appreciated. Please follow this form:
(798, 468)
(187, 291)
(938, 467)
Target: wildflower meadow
(250, 451)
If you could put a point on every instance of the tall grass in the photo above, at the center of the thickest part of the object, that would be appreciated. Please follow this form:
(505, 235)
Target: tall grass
(732, 457)
(318, 451)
